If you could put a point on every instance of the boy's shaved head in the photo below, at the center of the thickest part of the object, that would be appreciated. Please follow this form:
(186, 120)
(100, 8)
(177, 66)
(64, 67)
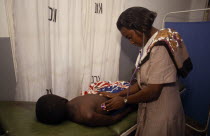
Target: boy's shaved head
(51, 109)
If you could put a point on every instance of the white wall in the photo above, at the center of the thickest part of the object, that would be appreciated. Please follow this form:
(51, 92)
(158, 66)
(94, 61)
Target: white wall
(3, 20)
(198, 15)
(162, 7)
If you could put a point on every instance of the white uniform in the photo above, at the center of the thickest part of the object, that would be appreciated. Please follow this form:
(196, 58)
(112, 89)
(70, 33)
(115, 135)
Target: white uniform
(165, 116)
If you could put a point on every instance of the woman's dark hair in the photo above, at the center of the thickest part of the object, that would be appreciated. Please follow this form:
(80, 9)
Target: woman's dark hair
(51, 109)
(137, 18)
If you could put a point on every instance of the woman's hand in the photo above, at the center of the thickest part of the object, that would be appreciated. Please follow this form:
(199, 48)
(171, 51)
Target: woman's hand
(108, 95)
(115, 103)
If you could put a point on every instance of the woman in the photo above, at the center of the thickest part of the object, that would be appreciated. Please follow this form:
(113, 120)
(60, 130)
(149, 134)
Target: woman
(162, 56)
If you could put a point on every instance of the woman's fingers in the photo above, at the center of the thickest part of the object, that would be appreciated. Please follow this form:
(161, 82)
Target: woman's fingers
(114, 103)
(106, 94)
(102, 93)
(110, 108)
(108, 101)
(109, 105)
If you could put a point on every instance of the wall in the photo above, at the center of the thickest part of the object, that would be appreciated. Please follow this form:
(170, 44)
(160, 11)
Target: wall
(162, 7)
(7, 74)
(3, 21)
(199, 15)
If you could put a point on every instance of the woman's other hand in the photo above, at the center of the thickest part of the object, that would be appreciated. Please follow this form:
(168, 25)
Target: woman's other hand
(115, 103)
(108, 95)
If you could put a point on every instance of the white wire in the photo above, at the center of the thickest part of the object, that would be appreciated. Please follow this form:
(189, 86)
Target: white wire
(137, 67)
(163, 25)
(183, 11)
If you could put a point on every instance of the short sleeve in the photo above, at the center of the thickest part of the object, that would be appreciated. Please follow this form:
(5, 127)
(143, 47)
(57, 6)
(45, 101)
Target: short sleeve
(162, 69)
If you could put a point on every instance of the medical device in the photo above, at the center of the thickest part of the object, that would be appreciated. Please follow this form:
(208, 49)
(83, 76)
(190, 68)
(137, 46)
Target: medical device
(141, 51)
